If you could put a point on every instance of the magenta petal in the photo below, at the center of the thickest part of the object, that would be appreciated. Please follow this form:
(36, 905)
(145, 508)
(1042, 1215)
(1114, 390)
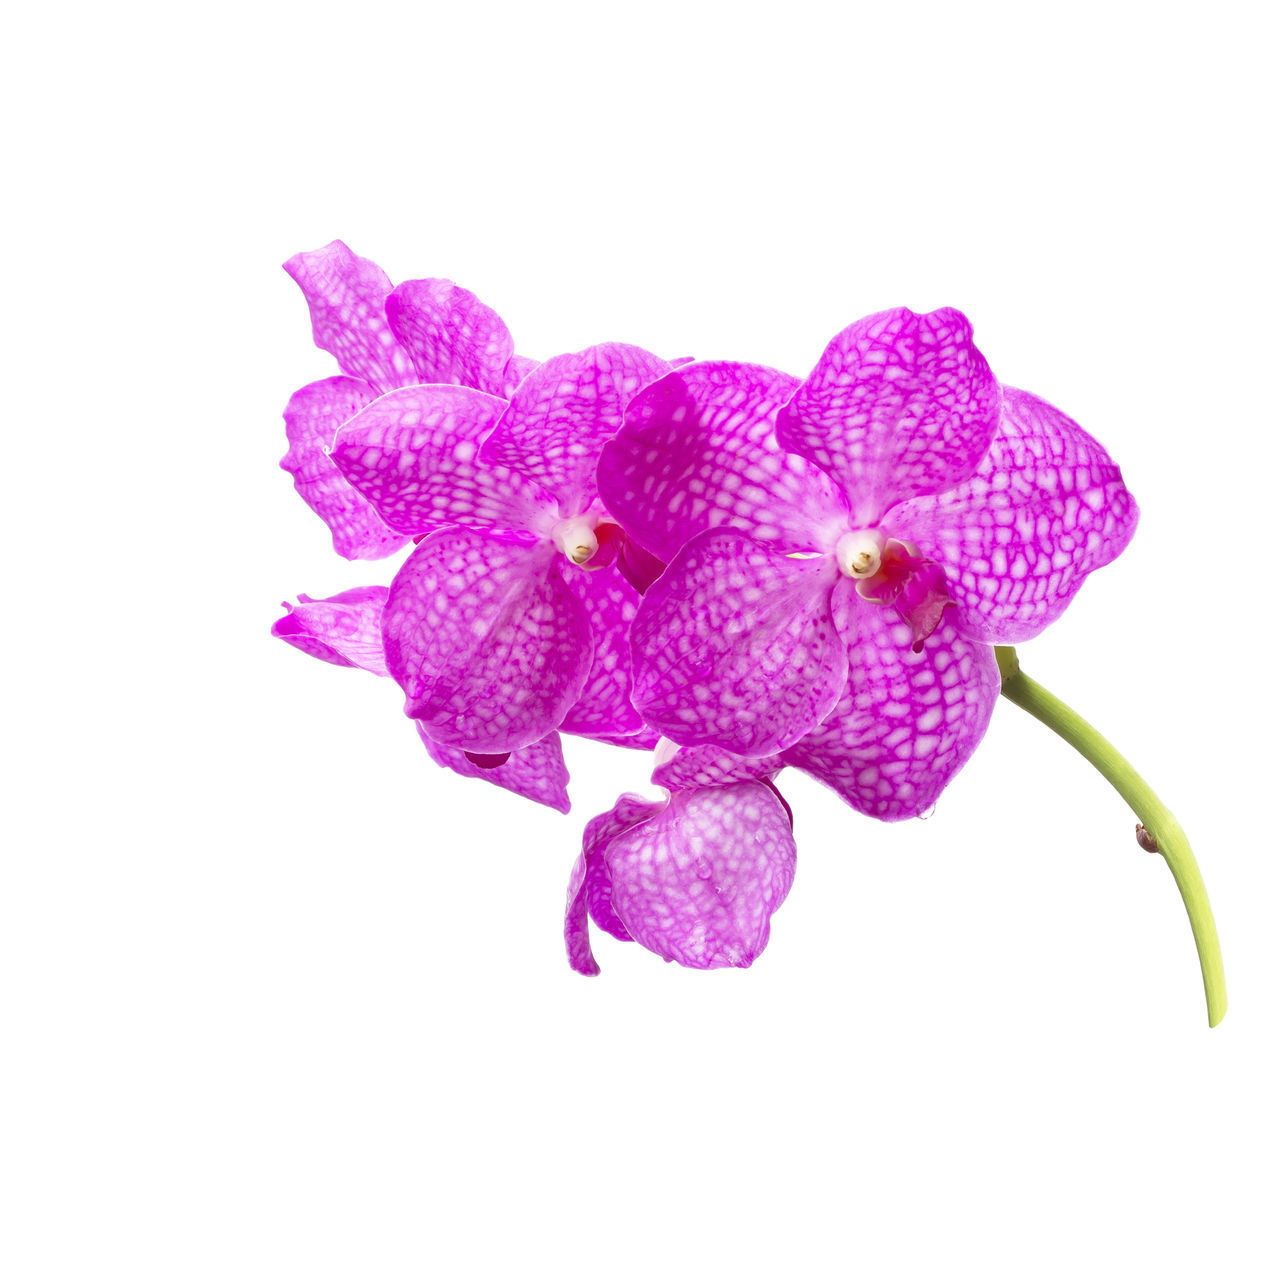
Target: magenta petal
(734, 646)
(687, 768)
(562, 413)
(645, 740)
(413, 455)
(900, 404)
(346, 294)
(536, 772)
(698, 882)
(907, 721)
(698, 452)
(1046, 507)
(519, 368)
(604, 708)
(489, 645)
(345, 629)
(311, 420)
(451, 335)
(590, 888)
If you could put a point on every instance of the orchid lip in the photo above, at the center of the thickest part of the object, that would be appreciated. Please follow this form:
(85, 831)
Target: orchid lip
(860, 552)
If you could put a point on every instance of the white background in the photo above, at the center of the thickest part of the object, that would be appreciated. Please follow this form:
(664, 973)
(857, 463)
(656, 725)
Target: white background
(282, 999)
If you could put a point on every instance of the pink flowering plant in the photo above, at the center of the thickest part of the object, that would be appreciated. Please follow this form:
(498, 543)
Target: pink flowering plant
(738, 570)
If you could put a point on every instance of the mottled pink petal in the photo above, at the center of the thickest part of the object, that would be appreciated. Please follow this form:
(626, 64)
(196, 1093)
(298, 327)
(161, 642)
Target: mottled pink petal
(451, 335)
(698, 882)
(311, 420)
(412, 454)
(345, 629)
(604, 707)
(687, 768)
(644, 740)
(1046, 507)
(519, 368)
(900, 404)
(536, 772)
(698, 452)
(346, 295)
(489, 645)
(562, 413)
(734, 646)
(907, 721)
(589, 887)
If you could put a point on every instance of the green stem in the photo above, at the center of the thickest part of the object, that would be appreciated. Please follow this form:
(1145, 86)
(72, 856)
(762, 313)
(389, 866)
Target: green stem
(1022, 690)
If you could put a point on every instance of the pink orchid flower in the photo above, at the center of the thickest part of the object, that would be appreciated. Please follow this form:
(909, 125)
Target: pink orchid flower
(510, 618)
(844, 551)
(424, 331)
(694, 878)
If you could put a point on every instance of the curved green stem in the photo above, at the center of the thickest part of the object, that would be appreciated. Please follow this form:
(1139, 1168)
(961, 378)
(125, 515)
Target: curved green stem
(1022, 690)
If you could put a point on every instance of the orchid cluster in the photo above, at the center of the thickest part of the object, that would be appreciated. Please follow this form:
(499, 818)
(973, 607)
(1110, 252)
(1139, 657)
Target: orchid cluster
(742, 570)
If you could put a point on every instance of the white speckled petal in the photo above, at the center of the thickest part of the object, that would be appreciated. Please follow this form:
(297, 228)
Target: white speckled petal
(604, 710)
(1046, 507)
(589, 888)
(451, 335)
(311, 420)
(907, 721)
(345, 294)
(645, 740)
(345, 629)
(413, 455)
(536, 772)
(489, 645)
(734, 645)
(899, 405)
(562, 413)
(698, 882)
(519, 368)
(705, 766)
(697, 452)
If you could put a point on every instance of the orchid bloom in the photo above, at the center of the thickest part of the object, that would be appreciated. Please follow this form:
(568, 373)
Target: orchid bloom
(346, 630)
(510, 619)
(898, 502)
(694, 878)
(424, 331)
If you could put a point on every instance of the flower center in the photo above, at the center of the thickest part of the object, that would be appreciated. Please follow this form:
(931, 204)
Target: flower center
(576, 538)
(860, 552)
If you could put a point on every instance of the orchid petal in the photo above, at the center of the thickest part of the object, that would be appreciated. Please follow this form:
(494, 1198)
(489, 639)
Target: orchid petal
(590, 887)
(1046, 507)
(311, 419)
(489, 645)
(899, 405)
(604, 707)
(734, 645)
(562, 413)
(519, 368)
(907, 720)
(412, 454)
(645, 740)
(536, 772)
(345, 294)
(451, 335)
(345, 629)
(629, 811)
(687, 768)
(697, 452)
(698, 882)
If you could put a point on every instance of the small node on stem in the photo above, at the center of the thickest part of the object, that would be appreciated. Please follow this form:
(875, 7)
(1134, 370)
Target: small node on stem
(1146, 840)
